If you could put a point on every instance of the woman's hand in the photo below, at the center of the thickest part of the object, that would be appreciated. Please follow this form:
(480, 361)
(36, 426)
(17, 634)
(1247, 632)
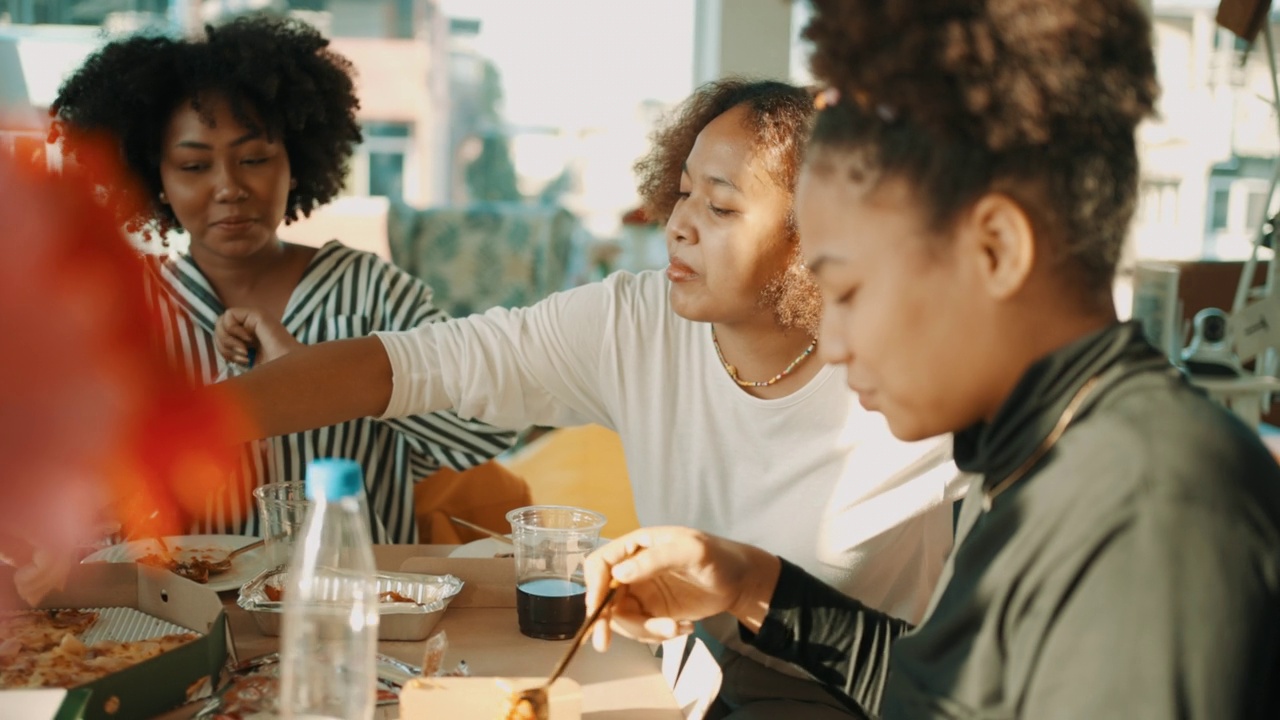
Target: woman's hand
(40, 572)
(240, 330)
(671, 577)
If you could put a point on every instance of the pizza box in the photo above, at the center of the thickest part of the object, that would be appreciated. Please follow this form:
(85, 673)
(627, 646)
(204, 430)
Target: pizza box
(150, 601)
(483, 697)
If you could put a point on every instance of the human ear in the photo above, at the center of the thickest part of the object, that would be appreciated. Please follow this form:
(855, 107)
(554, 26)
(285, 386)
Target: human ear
(1001, 235)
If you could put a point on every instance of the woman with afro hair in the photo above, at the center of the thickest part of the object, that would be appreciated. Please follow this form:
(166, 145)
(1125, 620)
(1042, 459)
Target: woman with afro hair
(228, 137)
(967, 189)
(706, 371)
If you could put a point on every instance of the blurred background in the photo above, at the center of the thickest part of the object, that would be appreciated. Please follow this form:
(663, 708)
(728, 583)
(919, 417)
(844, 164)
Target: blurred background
(549, 102)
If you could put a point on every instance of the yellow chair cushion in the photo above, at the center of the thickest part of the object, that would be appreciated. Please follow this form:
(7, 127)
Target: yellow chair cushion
(581, 466)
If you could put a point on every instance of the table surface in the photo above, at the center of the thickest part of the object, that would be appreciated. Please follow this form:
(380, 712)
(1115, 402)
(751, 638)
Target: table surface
(626, 683)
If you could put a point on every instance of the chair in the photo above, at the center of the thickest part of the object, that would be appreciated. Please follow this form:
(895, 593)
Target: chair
(482, 495)
(486, 255)
(582, 466)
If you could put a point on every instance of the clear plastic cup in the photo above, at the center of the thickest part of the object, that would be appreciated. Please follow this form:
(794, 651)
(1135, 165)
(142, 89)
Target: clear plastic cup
(282, 512)
(551, 543)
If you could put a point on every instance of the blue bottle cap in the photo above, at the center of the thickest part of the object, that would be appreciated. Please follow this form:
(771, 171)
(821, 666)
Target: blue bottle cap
(333, 479)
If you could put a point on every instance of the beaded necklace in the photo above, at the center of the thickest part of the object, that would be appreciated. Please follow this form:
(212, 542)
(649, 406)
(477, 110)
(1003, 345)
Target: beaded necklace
(733, 371)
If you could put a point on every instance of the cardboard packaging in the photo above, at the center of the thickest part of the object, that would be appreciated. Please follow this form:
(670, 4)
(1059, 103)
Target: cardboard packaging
(482, 698)
(153, 686)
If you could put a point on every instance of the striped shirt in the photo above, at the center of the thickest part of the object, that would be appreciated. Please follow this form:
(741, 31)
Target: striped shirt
(343, 293)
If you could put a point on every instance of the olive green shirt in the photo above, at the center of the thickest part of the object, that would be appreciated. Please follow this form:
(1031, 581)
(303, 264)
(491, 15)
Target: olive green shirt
(1134, 572)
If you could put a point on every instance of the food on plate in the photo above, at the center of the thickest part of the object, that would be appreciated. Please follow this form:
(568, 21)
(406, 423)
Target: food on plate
(42, 648)
(196, 565)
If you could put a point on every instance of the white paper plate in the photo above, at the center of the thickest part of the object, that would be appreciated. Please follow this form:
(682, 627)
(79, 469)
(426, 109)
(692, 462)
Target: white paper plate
(483, 548)
(243, 567)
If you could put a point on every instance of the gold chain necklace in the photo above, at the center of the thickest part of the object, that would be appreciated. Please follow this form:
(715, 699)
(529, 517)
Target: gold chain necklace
(733, 371)
(1069, 414)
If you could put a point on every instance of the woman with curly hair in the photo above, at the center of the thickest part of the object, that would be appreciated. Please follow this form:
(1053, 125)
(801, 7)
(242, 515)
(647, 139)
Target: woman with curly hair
(228, 137)
(705, 370)
(963, 204)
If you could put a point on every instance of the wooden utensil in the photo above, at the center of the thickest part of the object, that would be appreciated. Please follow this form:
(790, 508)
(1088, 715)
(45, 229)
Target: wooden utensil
(480, 529)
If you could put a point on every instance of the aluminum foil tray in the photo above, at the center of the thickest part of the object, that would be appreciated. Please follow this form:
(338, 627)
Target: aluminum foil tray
(412, 619)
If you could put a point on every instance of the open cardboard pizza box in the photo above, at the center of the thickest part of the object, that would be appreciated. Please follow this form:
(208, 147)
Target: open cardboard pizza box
(137, 602)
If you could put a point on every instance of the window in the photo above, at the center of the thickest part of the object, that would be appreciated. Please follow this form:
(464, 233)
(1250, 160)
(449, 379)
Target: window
(1255, 209)
(378, 168)
(1216, 137)
(1158, 202)
(562, 117)
(1221, 206)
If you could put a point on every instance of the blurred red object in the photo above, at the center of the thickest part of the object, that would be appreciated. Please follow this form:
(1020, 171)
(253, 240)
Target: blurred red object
(636, 217)
(95, 425)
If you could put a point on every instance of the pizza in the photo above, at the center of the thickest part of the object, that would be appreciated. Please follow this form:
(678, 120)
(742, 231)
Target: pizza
(43, 648)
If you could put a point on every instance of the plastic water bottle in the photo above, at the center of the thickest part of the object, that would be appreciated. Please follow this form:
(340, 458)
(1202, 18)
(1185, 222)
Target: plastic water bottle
(328, 646)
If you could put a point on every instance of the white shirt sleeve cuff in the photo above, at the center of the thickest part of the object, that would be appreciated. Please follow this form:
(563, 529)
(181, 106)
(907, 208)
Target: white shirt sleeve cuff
(412, 362)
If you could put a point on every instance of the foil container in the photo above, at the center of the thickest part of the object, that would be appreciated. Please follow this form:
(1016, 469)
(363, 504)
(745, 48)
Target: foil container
(252, 688)
(427, 596)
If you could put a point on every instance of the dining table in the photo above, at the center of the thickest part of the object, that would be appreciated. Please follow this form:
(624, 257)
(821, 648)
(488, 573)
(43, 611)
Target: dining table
(624, 683)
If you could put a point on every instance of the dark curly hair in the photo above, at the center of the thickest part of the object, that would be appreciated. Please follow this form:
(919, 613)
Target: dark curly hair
(781, 116)
(1039, 101)
(278, 76)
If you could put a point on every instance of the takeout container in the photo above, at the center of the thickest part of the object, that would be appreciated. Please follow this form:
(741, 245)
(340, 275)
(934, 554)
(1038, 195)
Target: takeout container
(482, 698)
(412, 621)
(252, 688)
(153, 686)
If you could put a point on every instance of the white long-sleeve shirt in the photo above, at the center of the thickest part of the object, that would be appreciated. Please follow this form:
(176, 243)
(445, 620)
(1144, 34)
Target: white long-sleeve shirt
(811, 476)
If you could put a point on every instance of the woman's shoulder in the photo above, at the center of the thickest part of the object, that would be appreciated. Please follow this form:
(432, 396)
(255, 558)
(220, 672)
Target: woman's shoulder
(622, 293)
(337, 250)
(648, 284)
(335, 256)
(1162, 440)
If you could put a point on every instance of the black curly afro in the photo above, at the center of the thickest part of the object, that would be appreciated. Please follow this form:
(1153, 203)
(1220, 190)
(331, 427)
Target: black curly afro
(1036, 100)
(278, 75)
